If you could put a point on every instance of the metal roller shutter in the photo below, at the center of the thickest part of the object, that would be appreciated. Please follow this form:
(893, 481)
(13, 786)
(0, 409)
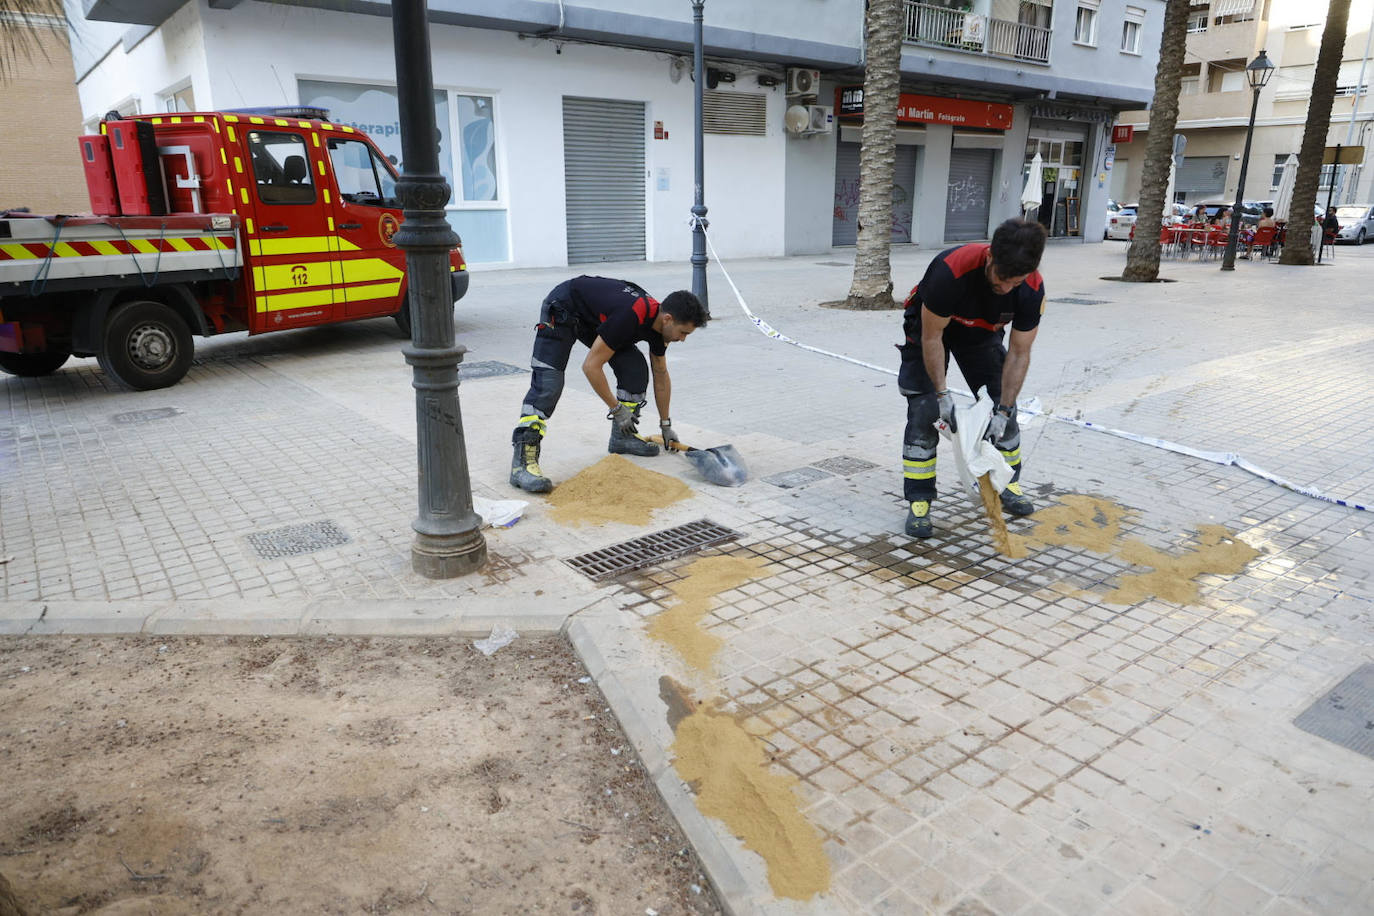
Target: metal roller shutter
(969, 199)
(603, 163)
(845, 226)
(1201, 175)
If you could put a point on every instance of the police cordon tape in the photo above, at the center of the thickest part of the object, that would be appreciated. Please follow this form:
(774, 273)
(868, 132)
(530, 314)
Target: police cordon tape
(1230, 459)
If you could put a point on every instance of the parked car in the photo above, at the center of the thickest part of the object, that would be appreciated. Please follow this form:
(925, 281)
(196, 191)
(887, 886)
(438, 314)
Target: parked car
(1120, 223)
(1357, 223)
(1112, 208)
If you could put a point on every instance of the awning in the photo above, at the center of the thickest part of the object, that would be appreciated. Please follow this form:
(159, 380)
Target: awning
(1232, 7)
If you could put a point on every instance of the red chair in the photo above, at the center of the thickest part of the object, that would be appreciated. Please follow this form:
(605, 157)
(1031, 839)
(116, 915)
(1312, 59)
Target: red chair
(1263, 239)
(1216, 242)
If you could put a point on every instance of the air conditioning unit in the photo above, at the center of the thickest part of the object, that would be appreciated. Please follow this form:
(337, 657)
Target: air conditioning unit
(803, 82)
(821, 118)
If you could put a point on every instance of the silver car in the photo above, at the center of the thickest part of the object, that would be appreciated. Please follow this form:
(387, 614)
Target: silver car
(1357, 223)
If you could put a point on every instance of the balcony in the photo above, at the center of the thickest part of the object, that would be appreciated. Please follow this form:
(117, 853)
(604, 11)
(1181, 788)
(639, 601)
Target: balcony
(976, 34)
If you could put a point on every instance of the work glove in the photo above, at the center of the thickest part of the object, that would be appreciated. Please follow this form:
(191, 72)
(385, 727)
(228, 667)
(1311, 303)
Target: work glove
(669, 437)
(997, 423)
(946, 402)
(624, 418)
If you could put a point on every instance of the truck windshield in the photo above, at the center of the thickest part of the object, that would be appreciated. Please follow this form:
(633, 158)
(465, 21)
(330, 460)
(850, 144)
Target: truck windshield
(363, 178)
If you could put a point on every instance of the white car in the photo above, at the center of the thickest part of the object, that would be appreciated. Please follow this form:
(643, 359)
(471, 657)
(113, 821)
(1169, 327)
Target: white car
(1120, 223)
(1357, 223)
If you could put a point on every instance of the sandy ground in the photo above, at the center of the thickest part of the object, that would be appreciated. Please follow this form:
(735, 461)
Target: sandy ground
(241, 775)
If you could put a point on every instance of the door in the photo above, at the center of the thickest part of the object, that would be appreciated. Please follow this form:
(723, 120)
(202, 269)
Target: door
(845, 222)
(604, 179)
(366, 216)
(969, 199)
(291, 245)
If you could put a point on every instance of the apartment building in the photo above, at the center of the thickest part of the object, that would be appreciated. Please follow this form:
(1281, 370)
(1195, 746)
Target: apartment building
(1214, 106)
(567, 127)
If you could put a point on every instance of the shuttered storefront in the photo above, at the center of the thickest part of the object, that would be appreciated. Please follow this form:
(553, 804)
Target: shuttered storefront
(1201, 177)
(604, 179)
(968, 202)
(845, 226)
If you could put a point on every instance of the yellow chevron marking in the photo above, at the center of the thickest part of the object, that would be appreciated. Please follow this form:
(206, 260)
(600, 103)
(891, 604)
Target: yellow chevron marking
(306, 244)
(105, 247)
(17, 251)
(181, 245)
(370, 269)
(260, 302)
(372, 291)
(63, 250)
(292, 278)
(279, 302)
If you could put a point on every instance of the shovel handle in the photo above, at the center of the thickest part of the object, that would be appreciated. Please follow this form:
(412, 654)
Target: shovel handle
(675, 446)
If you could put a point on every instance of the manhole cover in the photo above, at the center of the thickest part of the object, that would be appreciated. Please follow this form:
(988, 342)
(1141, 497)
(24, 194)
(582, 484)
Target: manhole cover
(1346, 714)
(800, 477)
(488, 369)
(1071, 300)
(640, 552)
(844, 465)
(831, 264)
(294, 540)
(143, 416)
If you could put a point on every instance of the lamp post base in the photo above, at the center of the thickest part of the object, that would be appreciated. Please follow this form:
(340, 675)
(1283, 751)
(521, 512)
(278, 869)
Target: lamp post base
(448, 556)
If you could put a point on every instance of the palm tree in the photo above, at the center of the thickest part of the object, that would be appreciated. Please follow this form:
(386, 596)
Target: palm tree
(20, 22)
(1142, 260)
(872, 285)
(1297, 246)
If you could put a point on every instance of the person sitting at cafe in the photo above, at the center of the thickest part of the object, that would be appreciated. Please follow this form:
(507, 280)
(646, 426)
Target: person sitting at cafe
(1199, 217)
(1223, 219)
(1267, 221)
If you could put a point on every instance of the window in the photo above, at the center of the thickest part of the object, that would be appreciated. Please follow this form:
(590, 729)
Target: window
(1197, 20)
(183, 99)
(1348, 80)
(362, 177)
(1131, 28)
(477, 142)
(1228, 11)
(1085, 25)
(1191, 81)
(281, 167)
(1277, 177)
(1226, 75)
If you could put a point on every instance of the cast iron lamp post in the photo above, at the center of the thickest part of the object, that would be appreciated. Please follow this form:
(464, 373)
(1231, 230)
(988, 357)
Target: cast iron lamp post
(699, 207)
(1257, 74)
(448, 533)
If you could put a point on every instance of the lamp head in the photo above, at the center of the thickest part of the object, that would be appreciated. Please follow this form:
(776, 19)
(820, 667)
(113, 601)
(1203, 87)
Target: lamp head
(1258, 71)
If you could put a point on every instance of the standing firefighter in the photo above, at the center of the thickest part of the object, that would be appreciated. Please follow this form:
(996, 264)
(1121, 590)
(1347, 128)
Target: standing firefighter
(968, 294)
(610, 317)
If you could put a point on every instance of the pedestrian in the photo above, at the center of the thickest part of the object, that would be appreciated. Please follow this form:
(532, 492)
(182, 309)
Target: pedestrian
(967, 296)
(610, 317)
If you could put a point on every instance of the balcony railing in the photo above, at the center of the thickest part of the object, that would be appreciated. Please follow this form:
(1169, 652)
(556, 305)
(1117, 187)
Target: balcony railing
(971, 32)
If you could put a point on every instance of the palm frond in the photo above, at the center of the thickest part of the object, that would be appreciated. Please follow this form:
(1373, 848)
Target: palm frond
(23, 25)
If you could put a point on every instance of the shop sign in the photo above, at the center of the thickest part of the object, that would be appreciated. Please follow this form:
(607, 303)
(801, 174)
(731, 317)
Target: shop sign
(1123, 133)
(929, 109)
(1060, 112)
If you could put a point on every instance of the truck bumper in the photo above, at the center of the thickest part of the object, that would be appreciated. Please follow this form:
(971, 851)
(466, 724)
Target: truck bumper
(459, 281)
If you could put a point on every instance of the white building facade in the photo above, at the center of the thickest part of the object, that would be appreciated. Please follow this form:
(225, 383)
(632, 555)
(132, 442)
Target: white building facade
(567, 130)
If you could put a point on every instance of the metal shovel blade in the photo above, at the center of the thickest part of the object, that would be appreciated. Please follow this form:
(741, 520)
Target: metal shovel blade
(723, 465)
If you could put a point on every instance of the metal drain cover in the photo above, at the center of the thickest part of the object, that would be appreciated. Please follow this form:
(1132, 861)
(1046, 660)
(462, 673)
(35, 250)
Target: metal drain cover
(799, 477)
(1071, 300)
(640, 552)
(1346, 714)
(143, 416)
(487, 369)
(294, 540)
(844, 465)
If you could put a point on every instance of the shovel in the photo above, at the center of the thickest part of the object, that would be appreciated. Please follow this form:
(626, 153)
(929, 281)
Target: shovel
(722, 465)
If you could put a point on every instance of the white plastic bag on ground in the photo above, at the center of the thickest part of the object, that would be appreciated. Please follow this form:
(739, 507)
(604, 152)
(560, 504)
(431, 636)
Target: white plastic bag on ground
(500, 638)
(975, 456)
(499, 513)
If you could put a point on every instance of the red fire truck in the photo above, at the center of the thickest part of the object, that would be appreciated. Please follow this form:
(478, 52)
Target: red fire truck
(204, 224)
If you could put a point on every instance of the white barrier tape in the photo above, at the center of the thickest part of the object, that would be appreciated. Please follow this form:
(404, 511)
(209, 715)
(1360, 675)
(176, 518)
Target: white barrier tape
(1228, 459)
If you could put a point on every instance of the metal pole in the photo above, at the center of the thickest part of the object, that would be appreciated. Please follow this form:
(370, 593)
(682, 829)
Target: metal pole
(1355, 108)
(448, 535)
(1228, 261)
(699, 223)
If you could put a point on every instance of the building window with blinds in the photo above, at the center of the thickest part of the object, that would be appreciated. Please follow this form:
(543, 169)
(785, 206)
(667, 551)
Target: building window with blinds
(1131, 28)
(1228, 11)
(1085, 23)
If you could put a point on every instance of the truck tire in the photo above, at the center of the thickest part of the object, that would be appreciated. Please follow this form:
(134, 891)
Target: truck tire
(146, 345)
(32, 365)
(403, 318)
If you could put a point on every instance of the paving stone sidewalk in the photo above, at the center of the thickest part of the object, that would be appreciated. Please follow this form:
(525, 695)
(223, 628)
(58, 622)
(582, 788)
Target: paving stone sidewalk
(968, 733)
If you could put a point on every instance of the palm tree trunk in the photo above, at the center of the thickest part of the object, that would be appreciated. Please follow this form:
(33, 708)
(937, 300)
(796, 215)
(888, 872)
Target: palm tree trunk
(20, 22)
(872, 284)
(1142, 260)
(1297, 246)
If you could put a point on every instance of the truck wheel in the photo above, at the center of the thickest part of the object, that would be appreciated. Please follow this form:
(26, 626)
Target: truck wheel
(32, 365)
(403, 318)
(147, 345)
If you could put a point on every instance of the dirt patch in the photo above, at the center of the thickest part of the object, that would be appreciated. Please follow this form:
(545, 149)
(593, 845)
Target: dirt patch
(212, 775)
(615, 489)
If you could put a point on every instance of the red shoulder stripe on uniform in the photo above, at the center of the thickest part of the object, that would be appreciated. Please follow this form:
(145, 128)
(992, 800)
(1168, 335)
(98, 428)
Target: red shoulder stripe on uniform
(1035, 281)
(640, 308)
(968, 257)
(653, 308)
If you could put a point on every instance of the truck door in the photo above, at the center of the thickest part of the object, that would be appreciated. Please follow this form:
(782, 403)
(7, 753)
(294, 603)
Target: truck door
(366, 216)
(291, 248)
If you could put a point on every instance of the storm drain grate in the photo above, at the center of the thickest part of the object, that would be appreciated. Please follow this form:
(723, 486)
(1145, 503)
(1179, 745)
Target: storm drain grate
(488, 369)
(799, 477)
(1075, 301)
(144, 416)
(294, 540)
(1346, 714)
(650, 549)
(844, 465)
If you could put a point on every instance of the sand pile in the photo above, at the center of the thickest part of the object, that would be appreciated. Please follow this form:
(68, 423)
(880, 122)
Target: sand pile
(615, 490)
(679, 626)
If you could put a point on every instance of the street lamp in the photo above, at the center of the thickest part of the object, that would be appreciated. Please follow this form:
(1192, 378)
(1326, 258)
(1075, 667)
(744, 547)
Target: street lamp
(448, 533)
(1257, 74)
(699, 206)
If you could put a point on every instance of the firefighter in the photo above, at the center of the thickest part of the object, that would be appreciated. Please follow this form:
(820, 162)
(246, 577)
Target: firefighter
(610, 317)
(967, 296)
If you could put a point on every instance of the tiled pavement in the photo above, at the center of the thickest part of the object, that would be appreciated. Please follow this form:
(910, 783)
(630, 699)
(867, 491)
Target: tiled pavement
(969, 733)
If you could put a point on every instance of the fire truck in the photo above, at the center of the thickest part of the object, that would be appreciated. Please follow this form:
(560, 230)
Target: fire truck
(204, 224)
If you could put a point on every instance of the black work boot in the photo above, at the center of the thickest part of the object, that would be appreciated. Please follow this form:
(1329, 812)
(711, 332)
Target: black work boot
(1015, 501)
(918, 520)
(524, 466)
(628, 442)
